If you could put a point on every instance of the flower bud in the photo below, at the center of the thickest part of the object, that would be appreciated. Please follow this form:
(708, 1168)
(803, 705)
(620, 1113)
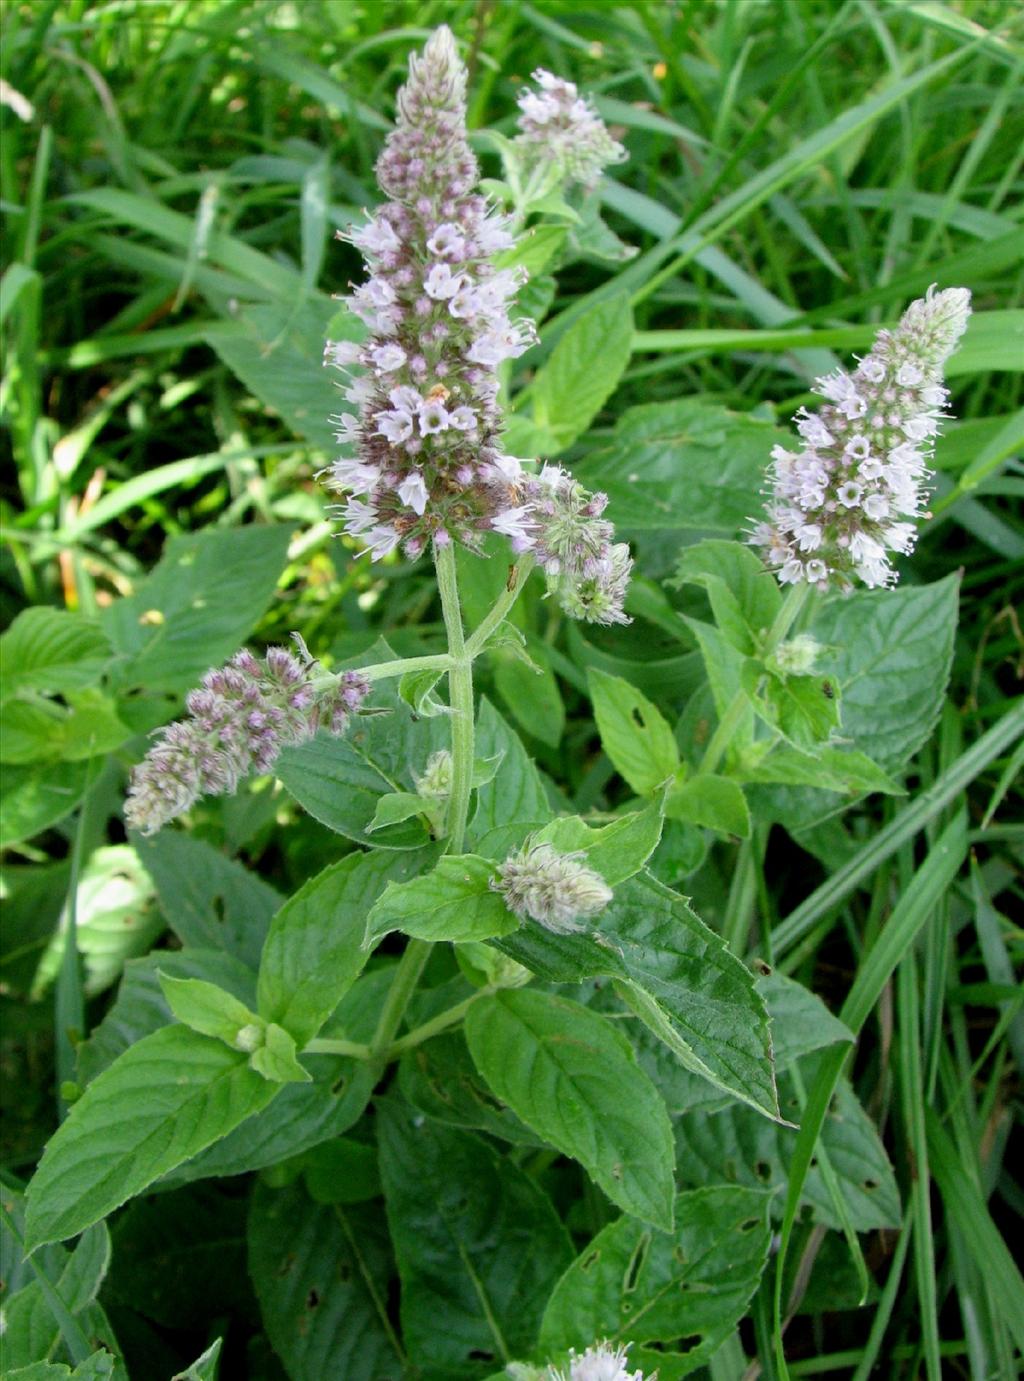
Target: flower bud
(552, 888)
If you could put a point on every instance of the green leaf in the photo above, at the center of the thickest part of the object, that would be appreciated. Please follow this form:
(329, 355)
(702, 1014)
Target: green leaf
(195, 608)
(276, 1059)
(478, 1244)
(582, 371)
(713, 802)
(804, 709)
(312, 953)
(321, 1275)
(416, 688)
(693, 1283)
(891, 652)
(44, 730)
(516, 796)
(277, 352)
(51, 650)
(683, 466)
(162, 1101)
(677, 976)
(744, 598)
(343, 1171)
(569, 1074)
(38, 796)
(396, 807)
(440, 1079)
(340, 780)
(210, 901)
(633, 732)
(530, 690)
(204, 1368)
(211, 1011)
(455, 901)
(735, 1144)
(616, 851)
(830, 769)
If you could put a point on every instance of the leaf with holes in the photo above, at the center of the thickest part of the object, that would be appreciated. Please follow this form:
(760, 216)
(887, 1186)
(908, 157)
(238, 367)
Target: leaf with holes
(634, 733)
(478, 1244)
(321, 1274)
(572, 1077)
(631, 1285)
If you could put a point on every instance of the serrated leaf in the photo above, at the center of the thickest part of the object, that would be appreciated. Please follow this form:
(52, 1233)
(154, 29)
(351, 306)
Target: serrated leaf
(683, 466)
(195, 608)
(744, 598)
(582, 371)
(616, 851)
(312, 954)
(51, 650)
(693, 1283)
(735, 1144)
(339, 780)
(455, 901)
(805, 710)
(208, 1009)
(478, 1244)
(572, 1077)
(165, 1099)
(634, 733)
(321, 1275)
(678, 977)
(276, 1058)
(714, 802)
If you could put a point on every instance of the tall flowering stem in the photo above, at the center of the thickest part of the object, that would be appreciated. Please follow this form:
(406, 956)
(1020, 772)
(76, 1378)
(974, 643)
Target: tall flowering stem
(460, 695)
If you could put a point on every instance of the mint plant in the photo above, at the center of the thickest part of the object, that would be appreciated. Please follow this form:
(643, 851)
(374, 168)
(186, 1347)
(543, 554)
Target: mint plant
(490, 1051)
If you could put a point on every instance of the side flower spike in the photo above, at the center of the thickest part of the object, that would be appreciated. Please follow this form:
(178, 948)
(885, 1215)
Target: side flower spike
(855, 490)
(239, 720)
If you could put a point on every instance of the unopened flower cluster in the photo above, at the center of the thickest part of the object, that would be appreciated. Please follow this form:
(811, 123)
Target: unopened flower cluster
(855, 491)
(555, 889)
(240, 719)
(426, 462)
(559, 127)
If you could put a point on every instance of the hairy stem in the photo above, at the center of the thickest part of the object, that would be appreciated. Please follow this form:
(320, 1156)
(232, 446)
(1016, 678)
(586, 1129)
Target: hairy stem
(792, 607)
(403, 985)
(520, 573)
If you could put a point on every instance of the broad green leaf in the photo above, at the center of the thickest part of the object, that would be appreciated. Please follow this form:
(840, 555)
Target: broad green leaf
(196, 607)
(321, 1275)
(140, 1007)
(683, 466)
(891, 651)
(711, 801)
(208, 1009)
(454, 901)
(516, 795)
(277, 352)
(616, 851)
(572, 1077)
(162, 1101)
(38, 796)
(44, 730)
(582, 371)
(530, 691)
(179, 1257)
(830, 769)
(312, 954)
(440, 1079)
(630, 1285)
(340, 780)
(210, 901)
(800, 1020)
(737, 1146)
(678, 977)
(633, 732)
(744, 598)
(51, 650)
(478, 1244)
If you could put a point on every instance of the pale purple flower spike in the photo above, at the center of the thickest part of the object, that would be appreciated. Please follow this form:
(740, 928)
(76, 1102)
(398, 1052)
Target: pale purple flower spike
(856, 490)
(602, 1362)
(240, 719)
(429, 464)
(559, 127)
